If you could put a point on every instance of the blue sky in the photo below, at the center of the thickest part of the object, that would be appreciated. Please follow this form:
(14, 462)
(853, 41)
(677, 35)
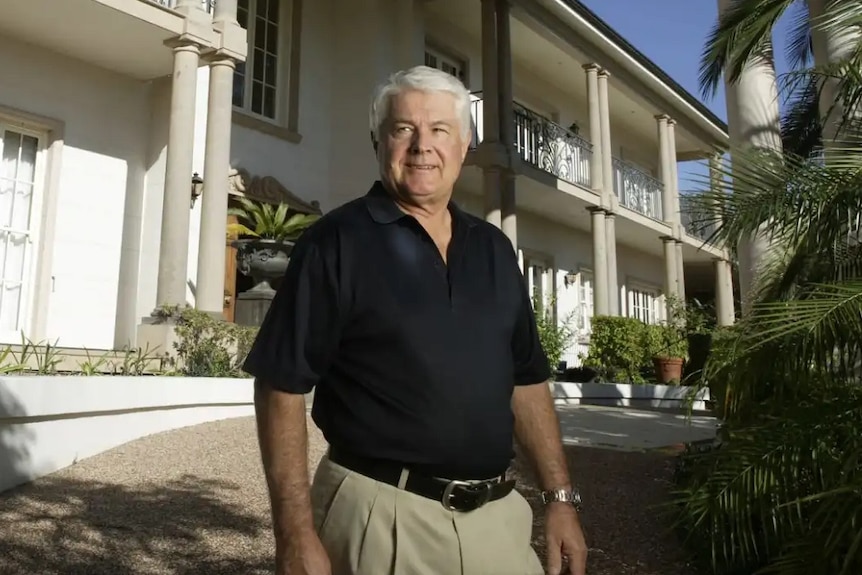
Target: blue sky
(672, 34)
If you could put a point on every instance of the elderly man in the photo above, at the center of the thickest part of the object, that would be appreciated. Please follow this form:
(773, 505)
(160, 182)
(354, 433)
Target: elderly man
(411, 321)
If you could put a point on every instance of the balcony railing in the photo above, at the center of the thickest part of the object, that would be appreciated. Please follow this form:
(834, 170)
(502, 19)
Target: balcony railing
(695, 222)
(637, 190)
(543, 144)
(206, 4)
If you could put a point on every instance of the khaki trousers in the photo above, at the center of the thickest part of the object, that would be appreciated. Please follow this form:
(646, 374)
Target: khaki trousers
(372, 528)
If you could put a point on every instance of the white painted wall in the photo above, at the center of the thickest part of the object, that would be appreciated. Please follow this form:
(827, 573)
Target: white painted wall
(105, 117)
(48, 423)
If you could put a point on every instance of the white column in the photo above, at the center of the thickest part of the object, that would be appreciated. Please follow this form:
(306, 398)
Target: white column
(611, 246)
(674, 174)
(173, 249)
(211, 250)
(680, 273)
(508, 206)
(607, 152)
(670, 269)
(665, 171)
(723, 292)
(600, 261)
(753, 121)
(596, 180)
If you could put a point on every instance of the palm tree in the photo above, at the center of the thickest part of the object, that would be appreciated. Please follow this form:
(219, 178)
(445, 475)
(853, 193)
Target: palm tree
(782, 492)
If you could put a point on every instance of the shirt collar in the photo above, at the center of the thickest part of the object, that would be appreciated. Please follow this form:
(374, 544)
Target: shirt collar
(384, 210)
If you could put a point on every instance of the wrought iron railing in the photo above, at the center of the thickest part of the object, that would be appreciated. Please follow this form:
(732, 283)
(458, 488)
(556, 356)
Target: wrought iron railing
(205, 4)
(696, 222)
(543, 144)
(637, 190)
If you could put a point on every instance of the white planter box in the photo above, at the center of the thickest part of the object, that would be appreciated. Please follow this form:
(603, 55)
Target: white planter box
(628, 395)
(50, 422)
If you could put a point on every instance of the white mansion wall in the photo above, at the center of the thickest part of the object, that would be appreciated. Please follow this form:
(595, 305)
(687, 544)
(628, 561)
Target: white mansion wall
(103, 161)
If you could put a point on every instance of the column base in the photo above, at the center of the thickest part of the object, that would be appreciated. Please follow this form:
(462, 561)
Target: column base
(157, 336)
(252, 307)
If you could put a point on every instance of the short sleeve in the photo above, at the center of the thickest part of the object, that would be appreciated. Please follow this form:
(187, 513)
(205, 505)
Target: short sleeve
(531, 362)
(300, 333)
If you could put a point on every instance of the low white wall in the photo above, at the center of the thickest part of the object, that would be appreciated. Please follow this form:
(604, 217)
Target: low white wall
(628, 395)
(48, 423)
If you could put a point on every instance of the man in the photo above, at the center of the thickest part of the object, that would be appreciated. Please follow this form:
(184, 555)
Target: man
(411, 321)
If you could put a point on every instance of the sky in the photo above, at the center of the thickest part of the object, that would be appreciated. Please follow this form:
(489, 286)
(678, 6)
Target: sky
(672, 33)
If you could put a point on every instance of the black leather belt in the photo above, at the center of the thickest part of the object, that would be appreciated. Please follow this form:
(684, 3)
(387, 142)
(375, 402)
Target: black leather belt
(454, 495)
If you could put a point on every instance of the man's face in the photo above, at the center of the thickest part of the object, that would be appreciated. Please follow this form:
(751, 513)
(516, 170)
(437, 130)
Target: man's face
(421, 148)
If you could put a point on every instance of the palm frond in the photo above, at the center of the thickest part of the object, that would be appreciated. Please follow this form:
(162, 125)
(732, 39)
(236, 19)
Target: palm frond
(743, 34)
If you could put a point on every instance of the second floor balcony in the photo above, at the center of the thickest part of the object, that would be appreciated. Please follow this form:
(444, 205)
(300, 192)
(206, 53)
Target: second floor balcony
(637, 190)
(548, 146)
(543, 144)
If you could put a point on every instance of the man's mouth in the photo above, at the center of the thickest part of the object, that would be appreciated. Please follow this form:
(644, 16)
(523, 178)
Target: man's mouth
(421, 166)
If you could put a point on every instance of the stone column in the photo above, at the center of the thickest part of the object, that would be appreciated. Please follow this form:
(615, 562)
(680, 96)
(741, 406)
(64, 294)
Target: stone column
(670, 270)
(211, 249)
(753, 121)
(665, 171)
(174, 246)
(596, 180)
(496, 151)
(607, 152)
(723, 292)
(600, 261)
(613, 284)
(508, 207)
(674, 174)
(680, 273)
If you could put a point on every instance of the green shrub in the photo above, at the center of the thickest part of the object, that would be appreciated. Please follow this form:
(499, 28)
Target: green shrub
(206, 346)
(617, 348)
(555, 336)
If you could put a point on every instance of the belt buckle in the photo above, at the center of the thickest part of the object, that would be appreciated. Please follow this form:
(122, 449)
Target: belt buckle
(449, 490)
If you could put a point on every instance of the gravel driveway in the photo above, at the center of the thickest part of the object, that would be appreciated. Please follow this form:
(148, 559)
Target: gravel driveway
(193, 501)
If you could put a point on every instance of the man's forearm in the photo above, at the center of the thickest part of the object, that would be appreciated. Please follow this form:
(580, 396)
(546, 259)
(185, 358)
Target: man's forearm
(537, 429)
(283, 438)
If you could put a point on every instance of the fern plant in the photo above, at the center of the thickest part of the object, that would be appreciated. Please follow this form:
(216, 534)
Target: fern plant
(268, 221)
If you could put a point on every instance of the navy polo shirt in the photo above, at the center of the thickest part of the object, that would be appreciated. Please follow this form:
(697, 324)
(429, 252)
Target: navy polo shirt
(412, 359)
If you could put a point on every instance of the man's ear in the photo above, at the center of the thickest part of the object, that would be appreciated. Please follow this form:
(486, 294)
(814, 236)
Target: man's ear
(373, 142)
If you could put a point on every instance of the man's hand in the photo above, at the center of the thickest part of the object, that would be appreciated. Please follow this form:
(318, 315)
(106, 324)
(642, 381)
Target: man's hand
(565, 540)
(305, 556)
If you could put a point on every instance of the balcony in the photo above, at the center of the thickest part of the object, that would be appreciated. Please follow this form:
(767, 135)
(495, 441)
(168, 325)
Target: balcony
(696, 223)
(206, 4)
(637, 190)
(543, 144)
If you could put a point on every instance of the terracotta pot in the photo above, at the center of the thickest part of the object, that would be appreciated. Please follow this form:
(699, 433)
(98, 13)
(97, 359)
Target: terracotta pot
(668, 369)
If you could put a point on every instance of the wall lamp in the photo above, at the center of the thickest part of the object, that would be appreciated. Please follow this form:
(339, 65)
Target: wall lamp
(197, 187)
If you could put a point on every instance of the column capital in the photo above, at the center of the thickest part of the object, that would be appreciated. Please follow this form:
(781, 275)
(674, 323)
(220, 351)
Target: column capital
(662, 117)
(668, 239)
(597, 210)
(604, 74)
(185, 43)
(671, 122)
(592, 67)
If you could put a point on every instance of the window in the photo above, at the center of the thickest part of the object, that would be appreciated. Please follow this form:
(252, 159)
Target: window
(256, 81)
(585, 300)
(450, 65)
(643, 304)
(539, 283)
(19, 152)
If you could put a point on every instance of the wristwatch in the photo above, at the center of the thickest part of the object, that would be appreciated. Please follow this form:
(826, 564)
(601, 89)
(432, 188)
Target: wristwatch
(564, 496)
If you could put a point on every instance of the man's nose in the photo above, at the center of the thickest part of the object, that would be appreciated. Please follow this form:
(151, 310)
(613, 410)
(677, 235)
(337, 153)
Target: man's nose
(421, 141)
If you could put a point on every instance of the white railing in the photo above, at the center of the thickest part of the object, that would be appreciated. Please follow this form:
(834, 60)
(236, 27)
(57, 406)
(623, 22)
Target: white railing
(637, 190)
(205, 4)
(543, 144)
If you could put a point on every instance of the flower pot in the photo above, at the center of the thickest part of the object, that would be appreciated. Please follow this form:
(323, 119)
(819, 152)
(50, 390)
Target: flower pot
(668, 369)
(263, 260)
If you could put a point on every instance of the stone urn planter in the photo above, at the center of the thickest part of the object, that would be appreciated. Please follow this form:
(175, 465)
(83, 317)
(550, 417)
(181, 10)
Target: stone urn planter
(264, 260)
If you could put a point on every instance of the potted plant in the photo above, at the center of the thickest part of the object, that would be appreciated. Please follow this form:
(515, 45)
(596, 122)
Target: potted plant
(667, 346)
(267, 234)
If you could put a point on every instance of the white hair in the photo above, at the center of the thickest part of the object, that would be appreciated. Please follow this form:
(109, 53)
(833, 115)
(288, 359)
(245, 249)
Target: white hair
(423, 79)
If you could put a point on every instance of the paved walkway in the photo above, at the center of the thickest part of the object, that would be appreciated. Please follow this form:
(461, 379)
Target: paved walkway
(193, 501)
